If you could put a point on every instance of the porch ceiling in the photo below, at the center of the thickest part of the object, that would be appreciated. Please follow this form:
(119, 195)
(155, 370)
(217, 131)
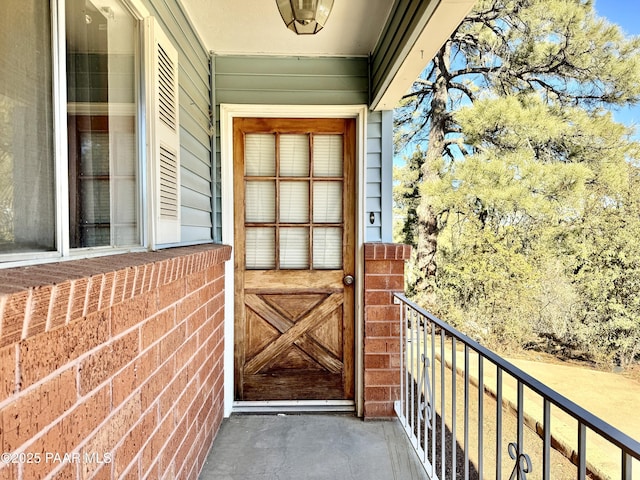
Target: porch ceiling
(401, 36)
(250, 27)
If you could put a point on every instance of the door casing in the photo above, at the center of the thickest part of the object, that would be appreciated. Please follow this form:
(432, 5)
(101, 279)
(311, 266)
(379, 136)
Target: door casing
(227, 114)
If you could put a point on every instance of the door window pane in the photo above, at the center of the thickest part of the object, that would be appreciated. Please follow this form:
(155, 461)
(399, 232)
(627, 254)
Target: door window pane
(102, 67)
(260, 155)
(327, 155)
(27, 202)
(260, 202)
(327, 202)
(260, 248)
(294, 202)
(294, 248)
(294, 155)
(327, 248)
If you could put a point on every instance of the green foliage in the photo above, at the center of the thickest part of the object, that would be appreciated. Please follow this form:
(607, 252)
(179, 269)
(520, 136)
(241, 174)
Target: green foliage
(406, 197)
(607, 271)
(531, 188)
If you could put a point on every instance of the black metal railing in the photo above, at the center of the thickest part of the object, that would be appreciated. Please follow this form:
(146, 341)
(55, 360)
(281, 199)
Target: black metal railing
(471, 414)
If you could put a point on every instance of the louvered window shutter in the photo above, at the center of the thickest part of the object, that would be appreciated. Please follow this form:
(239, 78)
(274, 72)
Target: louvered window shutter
(164, 135)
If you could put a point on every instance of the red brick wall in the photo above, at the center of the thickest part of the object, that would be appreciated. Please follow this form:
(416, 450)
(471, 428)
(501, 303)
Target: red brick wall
(116, 362)
(384, 275)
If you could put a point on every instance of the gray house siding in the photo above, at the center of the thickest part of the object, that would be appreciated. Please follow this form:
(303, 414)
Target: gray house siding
(195, 140)
(309, 81)
(379, 176)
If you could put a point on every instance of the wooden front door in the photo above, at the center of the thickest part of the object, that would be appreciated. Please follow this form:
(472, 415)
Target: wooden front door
(294, 198)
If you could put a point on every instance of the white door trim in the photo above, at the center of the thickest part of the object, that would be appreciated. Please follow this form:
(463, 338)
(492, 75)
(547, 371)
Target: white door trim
(227, 113)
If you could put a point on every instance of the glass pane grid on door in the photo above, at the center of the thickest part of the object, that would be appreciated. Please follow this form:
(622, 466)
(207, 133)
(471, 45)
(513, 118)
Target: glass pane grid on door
(293, 201)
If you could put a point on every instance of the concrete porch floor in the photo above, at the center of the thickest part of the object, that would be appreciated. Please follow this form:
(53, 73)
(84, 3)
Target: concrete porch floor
(313, 446)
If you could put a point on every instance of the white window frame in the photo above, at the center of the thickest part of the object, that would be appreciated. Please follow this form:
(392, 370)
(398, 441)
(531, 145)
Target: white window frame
(147, 224)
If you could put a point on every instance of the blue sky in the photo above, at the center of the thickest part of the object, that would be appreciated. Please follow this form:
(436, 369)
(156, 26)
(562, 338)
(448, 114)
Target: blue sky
(625, 13)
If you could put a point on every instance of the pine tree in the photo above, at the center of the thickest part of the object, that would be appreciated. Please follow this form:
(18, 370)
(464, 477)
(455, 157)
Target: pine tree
(509, 61)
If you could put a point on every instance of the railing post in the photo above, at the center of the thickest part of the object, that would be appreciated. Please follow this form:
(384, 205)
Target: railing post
(443, 413)
(546, 442)
(466, 412)
(498, 423)
(401, 403)
(480, 415)
(432, 392)
(454, 440)
(626, 466)
(582, 451)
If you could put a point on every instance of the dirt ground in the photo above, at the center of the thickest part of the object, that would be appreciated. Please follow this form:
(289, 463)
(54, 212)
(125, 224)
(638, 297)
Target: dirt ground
(632, 372)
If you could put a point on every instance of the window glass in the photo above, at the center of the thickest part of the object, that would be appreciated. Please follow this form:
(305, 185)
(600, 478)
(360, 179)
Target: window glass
(102, 67)
(261, 201)
(27, 204)
(327, 156)
(260, 154)
(294, 248)
(327, 202)
(260, 247)
(327, 248)
(294, 155)
(294, 202)
(295, 219)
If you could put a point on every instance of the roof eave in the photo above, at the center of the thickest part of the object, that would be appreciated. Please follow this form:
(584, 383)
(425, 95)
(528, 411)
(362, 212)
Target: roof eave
(428, 33)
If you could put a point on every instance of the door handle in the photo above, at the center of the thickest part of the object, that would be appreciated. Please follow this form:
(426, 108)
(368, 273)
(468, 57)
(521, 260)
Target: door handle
(348, 280)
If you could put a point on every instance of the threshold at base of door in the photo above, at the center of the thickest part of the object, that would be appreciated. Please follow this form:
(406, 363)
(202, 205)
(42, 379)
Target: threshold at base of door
(294, 406)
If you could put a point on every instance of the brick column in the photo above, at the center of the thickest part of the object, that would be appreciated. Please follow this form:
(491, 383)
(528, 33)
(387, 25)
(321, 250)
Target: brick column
(384, 275)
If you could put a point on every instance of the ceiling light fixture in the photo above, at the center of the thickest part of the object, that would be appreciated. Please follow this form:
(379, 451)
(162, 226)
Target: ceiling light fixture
(305, 17)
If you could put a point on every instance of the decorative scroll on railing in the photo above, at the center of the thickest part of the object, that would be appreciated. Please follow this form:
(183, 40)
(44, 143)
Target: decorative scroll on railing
(470, 414)
(522, 465)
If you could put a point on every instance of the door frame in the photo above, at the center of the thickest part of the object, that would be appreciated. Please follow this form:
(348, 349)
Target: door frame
(227, 113)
